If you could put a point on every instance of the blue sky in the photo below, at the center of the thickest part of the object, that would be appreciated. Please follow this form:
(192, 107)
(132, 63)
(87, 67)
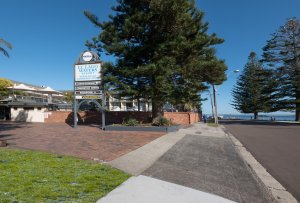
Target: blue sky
(48, 35)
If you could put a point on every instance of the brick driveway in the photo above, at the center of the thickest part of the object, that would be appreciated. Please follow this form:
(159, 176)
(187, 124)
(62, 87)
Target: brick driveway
(88, 142)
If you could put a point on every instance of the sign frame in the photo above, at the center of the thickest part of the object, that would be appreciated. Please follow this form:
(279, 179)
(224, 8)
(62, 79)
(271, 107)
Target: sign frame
(90, 89)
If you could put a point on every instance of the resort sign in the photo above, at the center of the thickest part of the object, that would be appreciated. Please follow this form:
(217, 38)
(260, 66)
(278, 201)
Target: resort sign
(88, 84)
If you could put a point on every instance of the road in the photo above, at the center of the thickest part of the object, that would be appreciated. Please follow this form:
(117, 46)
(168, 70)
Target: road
(275, 145)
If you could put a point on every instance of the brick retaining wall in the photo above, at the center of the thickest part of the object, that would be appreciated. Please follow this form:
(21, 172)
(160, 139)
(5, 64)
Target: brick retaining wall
(92, 117)
(183, 118)
(117, 117)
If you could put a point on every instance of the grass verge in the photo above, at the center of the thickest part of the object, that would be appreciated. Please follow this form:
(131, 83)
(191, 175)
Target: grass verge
(29, 176)
(212, 124)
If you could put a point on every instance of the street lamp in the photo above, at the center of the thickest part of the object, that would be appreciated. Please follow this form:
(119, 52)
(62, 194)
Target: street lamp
(215, 99)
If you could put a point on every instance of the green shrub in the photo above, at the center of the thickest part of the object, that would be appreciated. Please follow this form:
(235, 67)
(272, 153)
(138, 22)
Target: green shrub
(130, 122)
(161, 121)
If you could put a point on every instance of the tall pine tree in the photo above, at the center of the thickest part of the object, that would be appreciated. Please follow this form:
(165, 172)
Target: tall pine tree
(162, 49)
(282, 55)
(249, 93)
(7, 44)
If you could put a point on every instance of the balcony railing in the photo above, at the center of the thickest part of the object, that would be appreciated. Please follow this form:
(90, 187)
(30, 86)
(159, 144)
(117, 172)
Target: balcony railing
(33, 99)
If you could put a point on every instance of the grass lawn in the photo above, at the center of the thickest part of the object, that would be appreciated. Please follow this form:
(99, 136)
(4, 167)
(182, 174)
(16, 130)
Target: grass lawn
(35, 177)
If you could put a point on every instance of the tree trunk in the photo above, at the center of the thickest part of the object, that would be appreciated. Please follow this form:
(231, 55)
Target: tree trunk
(297, 113)
(255, 115)
(157, 108)
(139, 104)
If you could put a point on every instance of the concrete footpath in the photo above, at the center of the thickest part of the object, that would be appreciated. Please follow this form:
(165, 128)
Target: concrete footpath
(197, 164)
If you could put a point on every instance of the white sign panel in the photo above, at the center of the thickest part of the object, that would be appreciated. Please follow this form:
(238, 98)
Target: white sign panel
(88, 92)
(88, 72)
(87, 83)
(87, 88)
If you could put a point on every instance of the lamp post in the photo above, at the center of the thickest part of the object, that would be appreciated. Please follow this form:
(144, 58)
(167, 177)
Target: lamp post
(215, 99)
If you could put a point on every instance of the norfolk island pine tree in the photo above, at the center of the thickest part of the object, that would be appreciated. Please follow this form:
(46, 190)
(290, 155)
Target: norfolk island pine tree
(161, 48)
(250, 93)
(282, 56)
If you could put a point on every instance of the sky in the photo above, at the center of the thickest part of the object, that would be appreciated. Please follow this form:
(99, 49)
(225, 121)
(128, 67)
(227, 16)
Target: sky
(48, 36)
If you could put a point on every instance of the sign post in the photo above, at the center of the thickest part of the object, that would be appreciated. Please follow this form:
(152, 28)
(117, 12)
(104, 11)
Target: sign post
(88, 83)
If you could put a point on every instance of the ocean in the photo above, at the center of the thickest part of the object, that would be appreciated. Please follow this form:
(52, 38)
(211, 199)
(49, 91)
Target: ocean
(260, 117)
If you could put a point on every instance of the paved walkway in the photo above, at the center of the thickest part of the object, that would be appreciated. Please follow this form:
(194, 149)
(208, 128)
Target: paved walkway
(88, 142)
(199, 157)
(143, 189)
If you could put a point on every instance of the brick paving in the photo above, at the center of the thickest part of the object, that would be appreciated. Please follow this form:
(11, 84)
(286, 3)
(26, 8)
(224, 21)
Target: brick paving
(88, 142)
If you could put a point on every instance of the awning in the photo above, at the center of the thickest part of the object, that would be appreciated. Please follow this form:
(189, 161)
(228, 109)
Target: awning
(21, 87)
(49, 90)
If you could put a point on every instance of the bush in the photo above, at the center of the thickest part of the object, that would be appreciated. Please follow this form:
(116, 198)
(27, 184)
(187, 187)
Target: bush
(161, 121)
(130, 122)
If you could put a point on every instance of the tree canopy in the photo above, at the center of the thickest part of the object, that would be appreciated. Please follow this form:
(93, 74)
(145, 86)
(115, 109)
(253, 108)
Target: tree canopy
(162, 49)
(4, 84)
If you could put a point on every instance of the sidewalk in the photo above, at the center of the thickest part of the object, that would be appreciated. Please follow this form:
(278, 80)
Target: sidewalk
(200, 160)
(143, 189)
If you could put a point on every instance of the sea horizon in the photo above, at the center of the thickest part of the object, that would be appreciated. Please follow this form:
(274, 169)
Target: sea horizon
(263, 116)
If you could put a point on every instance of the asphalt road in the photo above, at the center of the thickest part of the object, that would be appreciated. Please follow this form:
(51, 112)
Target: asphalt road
(275, 145)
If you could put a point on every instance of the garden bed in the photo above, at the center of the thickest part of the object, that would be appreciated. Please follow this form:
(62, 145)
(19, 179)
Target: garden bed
(148, 128)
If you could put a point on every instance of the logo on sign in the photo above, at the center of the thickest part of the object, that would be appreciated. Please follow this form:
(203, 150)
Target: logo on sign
(87, 56)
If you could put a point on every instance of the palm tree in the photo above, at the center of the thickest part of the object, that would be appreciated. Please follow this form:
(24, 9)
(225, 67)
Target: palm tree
(7, 44)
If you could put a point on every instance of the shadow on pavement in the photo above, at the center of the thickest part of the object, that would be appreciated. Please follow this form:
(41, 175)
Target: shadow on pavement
(8, 125)
(5, 127)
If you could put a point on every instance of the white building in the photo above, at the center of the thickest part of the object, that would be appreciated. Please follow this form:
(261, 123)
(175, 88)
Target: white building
(117, 103)
(29, 103)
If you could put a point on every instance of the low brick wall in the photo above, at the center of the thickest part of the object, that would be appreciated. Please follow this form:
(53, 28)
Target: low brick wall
(117, 117)
(195, 117)
(92, 117)
(57, 116)
(183, 118)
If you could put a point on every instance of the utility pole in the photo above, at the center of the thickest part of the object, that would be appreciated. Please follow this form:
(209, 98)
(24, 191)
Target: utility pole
(215, 104)
(212, 105)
